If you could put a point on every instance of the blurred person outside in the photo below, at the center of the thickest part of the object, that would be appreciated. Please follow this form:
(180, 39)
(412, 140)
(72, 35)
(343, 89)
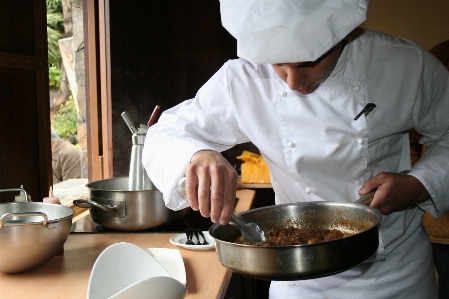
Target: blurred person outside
(66, 159)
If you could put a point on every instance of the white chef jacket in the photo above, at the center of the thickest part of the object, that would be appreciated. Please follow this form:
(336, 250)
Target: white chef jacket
(317, 151)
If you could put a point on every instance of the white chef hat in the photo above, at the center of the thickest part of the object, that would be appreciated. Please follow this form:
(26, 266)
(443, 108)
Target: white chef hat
(281, 31)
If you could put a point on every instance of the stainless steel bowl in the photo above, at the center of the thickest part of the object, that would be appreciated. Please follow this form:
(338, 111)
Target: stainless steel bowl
(31, 233)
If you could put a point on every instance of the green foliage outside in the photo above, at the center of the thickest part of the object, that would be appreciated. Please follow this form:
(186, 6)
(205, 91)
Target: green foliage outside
(54, 76)
(55, 5)
(65, 120)
(55, 31)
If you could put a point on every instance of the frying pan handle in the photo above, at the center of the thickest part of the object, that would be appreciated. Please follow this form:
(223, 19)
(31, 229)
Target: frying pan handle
(83, 203)
(9, 215)
(367, 198)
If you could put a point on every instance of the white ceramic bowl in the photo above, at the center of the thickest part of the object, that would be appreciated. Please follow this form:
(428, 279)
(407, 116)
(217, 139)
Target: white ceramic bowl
(159, 287)
(123, 270)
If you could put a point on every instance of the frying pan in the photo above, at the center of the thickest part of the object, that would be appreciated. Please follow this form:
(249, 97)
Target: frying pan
(297, 262)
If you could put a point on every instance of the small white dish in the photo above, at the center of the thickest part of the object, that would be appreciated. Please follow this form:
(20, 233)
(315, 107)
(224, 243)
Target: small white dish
(126, 266)
(181, 239)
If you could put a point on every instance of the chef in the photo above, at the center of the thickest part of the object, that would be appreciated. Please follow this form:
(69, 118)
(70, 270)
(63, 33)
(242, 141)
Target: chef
(329, 107)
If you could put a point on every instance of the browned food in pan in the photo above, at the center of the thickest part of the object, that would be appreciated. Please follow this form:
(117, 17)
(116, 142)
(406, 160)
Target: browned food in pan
(297, 236)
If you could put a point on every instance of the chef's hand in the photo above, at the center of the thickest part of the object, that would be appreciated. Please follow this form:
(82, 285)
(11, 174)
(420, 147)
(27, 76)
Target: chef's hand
(210, 186)
(395, 192)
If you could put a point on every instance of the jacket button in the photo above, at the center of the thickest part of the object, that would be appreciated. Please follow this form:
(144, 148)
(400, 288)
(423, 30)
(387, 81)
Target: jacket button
(308, 191)
(283, 93)
(291, 144)
(356, 87)
(360, 141)
(357, 182)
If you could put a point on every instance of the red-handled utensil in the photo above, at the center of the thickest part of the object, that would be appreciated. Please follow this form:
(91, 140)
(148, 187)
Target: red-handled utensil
(153, 116)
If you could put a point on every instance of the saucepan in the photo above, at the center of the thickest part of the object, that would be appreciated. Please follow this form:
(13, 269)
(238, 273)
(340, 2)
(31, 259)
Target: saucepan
(358, 222)
(114, 206)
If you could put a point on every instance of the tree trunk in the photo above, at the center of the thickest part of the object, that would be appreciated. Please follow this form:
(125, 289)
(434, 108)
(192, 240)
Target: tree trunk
(64, 86)
(67, 15)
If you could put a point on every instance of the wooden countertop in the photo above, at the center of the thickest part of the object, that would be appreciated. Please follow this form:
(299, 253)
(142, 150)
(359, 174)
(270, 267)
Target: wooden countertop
(67, 276)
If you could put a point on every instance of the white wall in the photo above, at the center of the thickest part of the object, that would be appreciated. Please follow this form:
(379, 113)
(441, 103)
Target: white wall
(424, 21)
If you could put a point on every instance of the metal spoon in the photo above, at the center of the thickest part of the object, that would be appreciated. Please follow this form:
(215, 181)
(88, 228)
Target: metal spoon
(251, 232)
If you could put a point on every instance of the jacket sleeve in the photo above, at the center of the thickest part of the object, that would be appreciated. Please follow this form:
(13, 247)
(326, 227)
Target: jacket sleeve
(431, 120)
(206, 122)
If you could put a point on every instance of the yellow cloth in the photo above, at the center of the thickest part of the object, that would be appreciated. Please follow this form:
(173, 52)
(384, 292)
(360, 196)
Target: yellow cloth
(254, 170)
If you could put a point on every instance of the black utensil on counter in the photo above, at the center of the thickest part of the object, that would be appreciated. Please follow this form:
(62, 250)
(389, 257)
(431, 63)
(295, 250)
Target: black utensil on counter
(198, 242)
(202, 235)
(189, 235)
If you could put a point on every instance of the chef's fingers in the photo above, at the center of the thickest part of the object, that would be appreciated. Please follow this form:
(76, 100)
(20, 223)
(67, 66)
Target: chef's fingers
(228, 195)
(216, 193)
(370, 185)
(191, 186)
(204, 187)
(198, 182)
(381, 197)
(224, 181)
(228, 203)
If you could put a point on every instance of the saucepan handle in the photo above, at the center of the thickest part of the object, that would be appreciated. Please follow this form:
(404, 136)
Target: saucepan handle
(9, 215)
(17, 189)
(83, 203)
